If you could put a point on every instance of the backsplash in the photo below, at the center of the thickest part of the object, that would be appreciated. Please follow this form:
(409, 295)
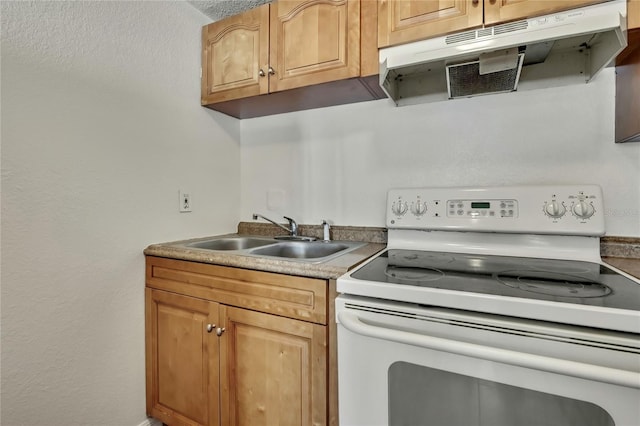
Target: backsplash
(623, 247)
(338, 233)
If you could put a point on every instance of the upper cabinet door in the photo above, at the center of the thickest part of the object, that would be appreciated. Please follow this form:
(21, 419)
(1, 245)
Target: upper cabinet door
(235, 50)
(313, 41)
(404, 21)
(508, 10)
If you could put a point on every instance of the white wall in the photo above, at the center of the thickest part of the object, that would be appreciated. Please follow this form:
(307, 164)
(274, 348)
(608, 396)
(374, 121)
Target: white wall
(101, 126)
(338, 163)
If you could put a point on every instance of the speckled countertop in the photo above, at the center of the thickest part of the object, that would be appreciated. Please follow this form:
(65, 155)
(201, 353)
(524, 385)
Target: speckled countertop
(620, 252)
(375, 239)
(623, 253)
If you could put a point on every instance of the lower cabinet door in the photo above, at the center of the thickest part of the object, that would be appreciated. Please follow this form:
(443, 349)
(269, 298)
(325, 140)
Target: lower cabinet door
(272, 370)
(181, 359)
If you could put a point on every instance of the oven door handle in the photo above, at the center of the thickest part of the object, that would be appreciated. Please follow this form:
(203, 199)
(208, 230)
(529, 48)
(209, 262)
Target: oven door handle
(626, 378)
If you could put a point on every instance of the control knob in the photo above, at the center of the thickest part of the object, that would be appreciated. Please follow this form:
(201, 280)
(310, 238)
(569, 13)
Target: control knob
(419, 208)
(555, 209)
(399, 207)
(583, 210)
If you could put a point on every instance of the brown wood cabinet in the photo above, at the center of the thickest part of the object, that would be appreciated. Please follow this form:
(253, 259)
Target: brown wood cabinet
(226, 346)
(234, 52)
(286, 45)
(182, 359)
(633, 14)
(627, 119)
(404, 21)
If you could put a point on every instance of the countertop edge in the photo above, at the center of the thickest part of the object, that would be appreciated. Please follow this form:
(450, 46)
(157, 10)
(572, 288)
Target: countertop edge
(330, 269)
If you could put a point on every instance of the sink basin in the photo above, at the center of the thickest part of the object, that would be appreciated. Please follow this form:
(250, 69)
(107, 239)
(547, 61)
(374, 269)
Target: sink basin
(301, 249)
(234, 243)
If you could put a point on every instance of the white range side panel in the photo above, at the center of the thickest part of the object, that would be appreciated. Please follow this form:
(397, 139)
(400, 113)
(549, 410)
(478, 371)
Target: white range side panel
(553, 209)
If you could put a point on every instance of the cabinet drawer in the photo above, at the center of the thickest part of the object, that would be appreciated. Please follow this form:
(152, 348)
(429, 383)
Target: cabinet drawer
(285, 295)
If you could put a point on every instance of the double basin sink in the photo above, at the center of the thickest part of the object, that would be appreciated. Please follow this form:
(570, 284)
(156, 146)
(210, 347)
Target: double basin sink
(299, 249)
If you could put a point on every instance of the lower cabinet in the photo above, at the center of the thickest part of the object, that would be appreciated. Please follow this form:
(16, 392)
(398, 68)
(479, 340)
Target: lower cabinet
(226, 346)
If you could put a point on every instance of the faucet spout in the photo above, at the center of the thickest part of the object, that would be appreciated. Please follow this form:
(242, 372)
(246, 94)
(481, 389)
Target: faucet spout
(293, 226)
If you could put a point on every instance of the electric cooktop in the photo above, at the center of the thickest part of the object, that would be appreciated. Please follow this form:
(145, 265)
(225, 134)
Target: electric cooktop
(567, 281)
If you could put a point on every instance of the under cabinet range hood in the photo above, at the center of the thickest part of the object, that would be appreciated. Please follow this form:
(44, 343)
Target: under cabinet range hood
(546, 51)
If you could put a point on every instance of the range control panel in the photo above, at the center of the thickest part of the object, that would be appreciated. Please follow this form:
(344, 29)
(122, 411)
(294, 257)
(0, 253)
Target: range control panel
(548, 209)
(482, 208)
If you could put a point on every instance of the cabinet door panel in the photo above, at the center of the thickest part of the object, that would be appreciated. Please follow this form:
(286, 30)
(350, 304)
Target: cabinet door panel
(508, 10)
(182, 359)
(234, 51)
(313, 41)
(273, 370)
(403, 21)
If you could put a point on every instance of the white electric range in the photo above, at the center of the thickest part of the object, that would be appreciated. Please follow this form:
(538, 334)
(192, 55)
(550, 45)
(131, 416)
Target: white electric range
(499, 297)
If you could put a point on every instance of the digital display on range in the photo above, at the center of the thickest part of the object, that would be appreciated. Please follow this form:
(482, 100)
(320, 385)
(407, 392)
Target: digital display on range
(480, 205)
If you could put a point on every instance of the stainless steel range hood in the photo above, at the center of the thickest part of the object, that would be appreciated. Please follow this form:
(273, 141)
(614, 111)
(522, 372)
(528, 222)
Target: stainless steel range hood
(546, 51)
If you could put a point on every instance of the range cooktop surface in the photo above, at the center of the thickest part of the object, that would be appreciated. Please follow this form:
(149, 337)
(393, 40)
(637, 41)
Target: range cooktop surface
(565, 281)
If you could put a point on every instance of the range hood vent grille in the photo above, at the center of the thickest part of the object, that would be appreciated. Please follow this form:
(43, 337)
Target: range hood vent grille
(486, 32)
(510, 27)
(465, 80)
(457, 38)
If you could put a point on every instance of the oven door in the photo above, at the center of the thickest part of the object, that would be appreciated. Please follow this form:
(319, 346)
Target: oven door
(402, 364)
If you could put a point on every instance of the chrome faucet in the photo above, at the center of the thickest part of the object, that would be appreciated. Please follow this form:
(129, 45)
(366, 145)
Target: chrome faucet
(292, 229)
(326, 236)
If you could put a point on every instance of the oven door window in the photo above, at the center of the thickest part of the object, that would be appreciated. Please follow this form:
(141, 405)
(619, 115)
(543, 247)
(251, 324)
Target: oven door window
(420, 395)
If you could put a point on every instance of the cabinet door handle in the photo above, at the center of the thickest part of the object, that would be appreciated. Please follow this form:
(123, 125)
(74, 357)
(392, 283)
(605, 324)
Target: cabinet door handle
(210, 327)
(261, 73)
(271, 71)
(219, 331)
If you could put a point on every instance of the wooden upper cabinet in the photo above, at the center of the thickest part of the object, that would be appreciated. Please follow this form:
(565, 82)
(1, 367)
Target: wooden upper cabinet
(404, 21)
(628, 80)
(234, 51)
(279, 46)
(291, 55)
(313, 41)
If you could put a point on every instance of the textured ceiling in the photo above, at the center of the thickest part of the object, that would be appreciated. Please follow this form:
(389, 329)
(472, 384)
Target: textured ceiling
(218, 9)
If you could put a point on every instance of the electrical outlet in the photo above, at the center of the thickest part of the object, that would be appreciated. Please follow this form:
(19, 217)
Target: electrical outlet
(185, 202)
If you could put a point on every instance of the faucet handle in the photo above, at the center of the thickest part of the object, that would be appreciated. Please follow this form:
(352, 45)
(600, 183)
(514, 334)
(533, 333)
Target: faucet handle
(293, 226)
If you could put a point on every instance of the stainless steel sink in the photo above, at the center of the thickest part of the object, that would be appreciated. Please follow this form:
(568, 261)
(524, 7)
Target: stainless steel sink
(298, 250)
(301, 249)
(231, 243)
